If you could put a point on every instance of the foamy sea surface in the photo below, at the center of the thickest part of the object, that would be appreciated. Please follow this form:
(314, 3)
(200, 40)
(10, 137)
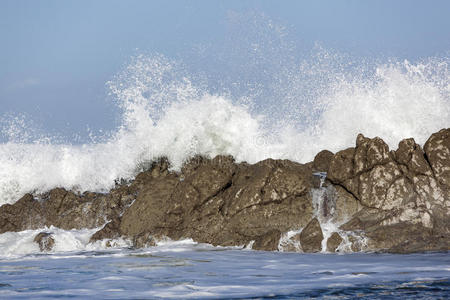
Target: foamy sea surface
(185, 269)
(253, 98)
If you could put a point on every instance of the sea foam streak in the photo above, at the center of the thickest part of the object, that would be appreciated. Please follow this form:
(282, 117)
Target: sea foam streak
(165, 114)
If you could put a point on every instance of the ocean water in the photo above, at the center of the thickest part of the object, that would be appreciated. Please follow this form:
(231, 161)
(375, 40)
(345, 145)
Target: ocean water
(254, 98)
(185, 269)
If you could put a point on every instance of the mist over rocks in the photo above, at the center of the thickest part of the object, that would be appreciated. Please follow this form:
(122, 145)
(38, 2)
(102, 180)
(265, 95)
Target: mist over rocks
(373, 199)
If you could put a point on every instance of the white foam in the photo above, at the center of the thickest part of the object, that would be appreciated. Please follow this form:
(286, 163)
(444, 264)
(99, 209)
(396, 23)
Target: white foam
(68, 243)
(18, 244)
(164, 115)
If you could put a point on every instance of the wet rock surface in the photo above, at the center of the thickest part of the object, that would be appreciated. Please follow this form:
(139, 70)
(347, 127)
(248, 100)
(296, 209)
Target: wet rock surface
(64, 209)
(45, 241)
(333, 242)
(223, 203)
(311, 237)
(398, 201)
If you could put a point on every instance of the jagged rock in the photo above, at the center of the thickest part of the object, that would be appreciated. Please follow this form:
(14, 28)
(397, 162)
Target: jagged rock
(144, 240)
(422, 243)
(397, 235)
(368, 218)
(64, 209)
(110, 231)
(370, 174)
(393, 187)
(268, 241)
(333, 242)
(322, 161)
(311, 237)
(381, 182)
(223, 203)
(152, 209)
(45, 241)
(270, 194)
(369, 153)
(341, 168)
(370, 189)
(357, 244)
(26, 213)
(412, 156)
(290, 245)
(386, 231)
(346, 205)
(437, 149)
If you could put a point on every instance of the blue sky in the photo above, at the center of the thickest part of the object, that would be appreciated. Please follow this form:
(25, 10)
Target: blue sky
(56, 56)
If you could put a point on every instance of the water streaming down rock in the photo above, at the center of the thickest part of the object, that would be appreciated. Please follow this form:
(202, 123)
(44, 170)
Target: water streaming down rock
(323, 234)
(324, 203)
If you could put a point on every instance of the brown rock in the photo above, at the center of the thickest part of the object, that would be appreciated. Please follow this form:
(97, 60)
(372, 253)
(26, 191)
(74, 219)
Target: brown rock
(421, 243)
(64, 209)
(333, 242)
(368, 218)
(322, 161)
(45, 241)
(26, 213)
(412, 156)
(375, 184)
(341, 167)
(223, 203)
(144, 240)
(371, 189)
(269, 194)
(437, 150)
(356, 243)
(311, 237)
(268, 241)
(346, 205)
(369, 153)
(153, 210)
(392, 236)
(110, 231)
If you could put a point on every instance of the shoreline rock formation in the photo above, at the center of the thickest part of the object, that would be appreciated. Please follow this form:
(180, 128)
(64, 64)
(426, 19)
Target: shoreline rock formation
(372, 199)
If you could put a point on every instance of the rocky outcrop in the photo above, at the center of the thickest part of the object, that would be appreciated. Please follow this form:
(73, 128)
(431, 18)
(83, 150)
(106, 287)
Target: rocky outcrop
(64, 209)
(333, 242)
(45, 241)
(268, 241)
(437, 150)
(403, 193)
(220, 202)
(311, 237)
(381, 200)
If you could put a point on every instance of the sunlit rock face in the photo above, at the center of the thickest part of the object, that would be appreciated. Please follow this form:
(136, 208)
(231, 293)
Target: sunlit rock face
(363, 198)
(405, 201)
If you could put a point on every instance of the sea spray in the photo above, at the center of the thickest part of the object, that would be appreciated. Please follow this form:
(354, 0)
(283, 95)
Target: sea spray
(398, 101)
(254, 96)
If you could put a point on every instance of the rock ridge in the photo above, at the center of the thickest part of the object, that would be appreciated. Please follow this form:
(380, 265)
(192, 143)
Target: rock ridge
(378, 200)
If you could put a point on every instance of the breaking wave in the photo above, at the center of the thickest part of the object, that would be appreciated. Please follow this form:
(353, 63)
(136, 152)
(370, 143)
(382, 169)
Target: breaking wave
(289, 110)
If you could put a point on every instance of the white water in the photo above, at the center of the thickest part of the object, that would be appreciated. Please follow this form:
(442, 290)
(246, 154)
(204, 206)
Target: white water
(19, 245)
(185, 269)
(197, 271)
(164, 114)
